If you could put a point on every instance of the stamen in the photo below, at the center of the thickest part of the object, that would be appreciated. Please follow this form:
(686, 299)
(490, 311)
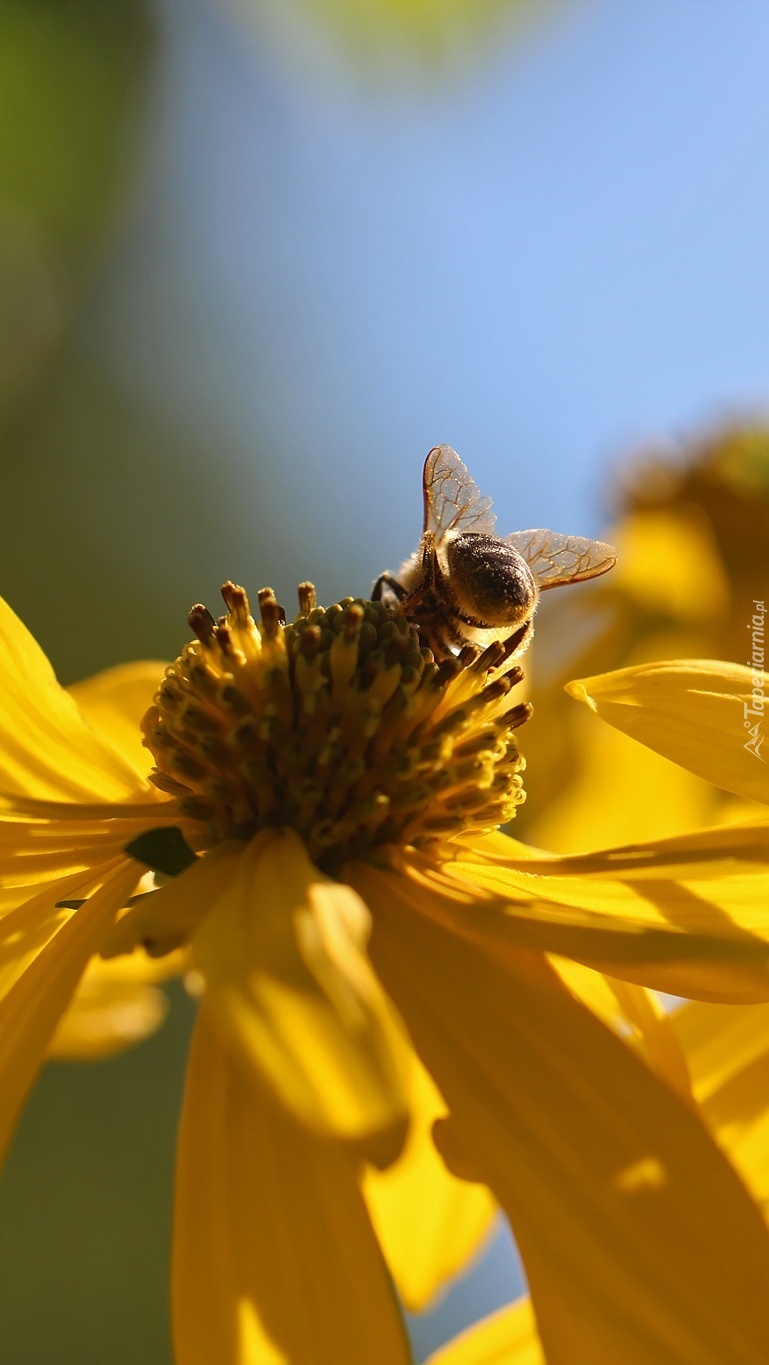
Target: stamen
(518, 716)
(224, 639)
(307, 599)
(237, 604)
(338, 725)
(273, 615)
(202, 624)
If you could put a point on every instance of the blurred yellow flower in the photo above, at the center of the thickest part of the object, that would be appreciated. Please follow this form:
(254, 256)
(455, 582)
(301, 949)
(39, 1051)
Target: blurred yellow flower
(325, 844)
(691, 539)
(421, 33)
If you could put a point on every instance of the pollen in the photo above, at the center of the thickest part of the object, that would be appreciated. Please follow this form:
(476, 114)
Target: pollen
(338, 725)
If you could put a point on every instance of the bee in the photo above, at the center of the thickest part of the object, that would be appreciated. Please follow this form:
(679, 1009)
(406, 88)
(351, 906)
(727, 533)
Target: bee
(466, 585)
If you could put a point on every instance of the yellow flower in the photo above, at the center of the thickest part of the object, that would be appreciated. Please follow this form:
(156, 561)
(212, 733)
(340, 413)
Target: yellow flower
(325, 850)
(691, 538)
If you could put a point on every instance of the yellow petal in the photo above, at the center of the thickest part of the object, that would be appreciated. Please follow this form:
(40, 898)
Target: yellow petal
(47, 750)
(610, 790)
(33, 851)
(106, 1020)
(720, 1043)
(31, 1009)
(30, 922)
(167, 919)
(727, 1049)
(687, 915)
(697, 712)
(637, 1237)
(62, 857)
(275, 1261)
(114, 703)
(670, 565)
(428, 1222)
(635, 1014)
(115, 1006)
(283, 954)
(508, 1337)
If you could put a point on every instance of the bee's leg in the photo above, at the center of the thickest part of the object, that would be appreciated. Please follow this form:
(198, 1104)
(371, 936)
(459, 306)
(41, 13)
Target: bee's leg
(386, 580)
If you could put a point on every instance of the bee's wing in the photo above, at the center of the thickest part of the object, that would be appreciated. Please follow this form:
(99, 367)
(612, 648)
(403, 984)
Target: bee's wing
(452, 500)
(555, 559)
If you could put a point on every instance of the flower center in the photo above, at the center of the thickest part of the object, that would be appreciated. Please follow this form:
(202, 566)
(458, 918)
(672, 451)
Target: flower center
(338, 725)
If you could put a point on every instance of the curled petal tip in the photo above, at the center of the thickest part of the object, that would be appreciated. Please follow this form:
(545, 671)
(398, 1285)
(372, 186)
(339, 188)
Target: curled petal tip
(579, 692)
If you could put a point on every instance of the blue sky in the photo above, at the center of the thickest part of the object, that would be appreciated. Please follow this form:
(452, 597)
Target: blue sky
(541, 261)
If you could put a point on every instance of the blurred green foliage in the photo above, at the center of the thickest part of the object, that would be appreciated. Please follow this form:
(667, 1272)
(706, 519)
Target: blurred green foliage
(93, 485)
(72, 75)
(85, 1199)
(85, 1209)
(74, 80)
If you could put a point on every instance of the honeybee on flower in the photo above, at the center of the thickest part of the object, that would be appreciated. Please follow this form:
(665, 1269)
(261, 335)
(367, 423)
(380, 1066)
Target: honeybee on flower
(464, 584)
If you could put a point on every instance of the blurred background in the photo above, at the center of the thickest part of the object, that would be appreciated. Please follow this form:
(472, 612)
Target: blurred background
(255, 259)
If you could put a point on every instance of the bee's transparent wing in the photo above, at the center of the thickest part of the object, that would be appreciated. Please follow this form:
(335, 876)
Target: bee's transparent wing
(555, 559)
(452, 500)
